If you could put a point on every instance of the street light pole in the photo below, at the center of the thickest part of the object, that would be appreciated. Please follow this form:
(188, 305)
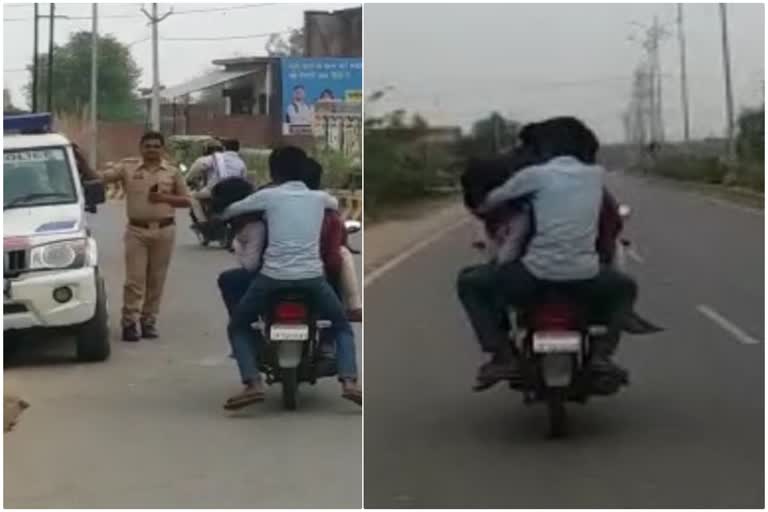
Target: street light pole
(94, 86)
(35, 59)
(51, 21)
(683, 75)
(728, 88)
(657, 31)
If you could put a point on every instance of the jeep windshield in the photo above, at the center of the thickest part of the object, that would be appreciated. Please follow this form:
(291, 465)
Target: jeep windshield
(37, 177)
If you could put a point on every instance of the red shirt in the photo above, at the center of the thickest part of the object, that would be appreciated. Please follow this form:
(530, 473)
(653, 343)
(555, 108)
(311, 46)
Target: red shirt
(332, 238)
(609, 227)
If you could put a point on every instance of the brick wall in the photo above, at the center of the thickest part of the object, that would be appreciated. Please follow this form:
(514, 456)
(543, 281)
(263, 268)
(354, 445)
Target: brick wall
(119, 140)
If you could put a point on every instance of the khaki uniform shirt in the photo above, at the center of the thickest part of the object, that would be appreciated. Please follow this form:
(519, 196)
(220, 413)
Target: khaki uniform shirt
(138, 179)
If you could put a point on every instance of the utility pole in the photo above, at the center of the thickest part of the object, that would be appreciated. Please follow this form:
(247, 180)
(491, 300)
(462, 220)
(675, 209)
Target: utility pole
(657, 35)
(154, 20)
(94, 86)
(51, 21)
(35, 60)
(683, 75)
(728, 89)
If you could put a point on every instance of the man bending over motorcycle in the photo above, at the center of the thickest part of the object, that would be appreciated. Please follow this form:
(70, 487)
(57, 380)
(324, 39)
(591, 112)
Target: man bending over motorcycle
(221, 161)
(294, 217)
(566, 194)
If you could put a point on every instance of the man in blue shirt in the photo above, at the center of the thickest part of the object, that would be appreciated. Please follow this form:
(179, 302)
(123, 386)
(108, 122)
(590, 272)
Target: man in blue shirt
(294, 217)
(566, 193)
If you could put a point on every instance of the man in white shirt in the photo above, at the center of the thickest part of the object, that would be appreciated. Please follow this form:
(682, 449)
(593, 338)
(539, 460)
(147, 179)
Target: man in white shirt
(222, 162)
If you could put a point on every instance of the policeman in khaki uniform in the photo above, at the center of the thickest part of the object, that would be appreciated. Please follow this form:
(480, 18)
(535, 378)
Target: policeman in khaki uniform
(153, 189)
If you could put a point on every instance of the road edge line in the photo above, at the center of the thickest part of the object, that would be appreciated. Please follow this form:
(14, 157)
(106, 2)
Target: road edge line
(375, 274)
(728, 326)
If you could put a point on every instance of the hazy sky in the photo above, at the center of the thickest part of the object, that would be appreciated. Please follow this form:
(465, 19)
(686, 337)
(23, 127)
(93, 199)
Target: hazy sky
(179, 60)
(456, 62)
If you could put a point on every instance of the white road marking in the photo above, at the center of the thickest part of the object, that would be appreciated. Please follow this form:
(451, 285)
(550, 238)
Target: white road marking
(731, 205)
(727, 325)
(635, 256)
(372, 276)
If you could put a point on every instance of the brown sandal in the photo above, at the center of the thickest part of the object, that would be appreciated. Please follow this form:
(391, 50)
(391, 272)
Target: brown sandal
(353, 395)
(244, 399)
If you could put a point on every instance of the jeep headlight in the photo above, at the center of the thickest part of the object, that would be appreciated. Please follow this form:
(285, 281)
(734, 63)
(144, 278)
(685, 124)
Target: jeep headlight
(59, 255)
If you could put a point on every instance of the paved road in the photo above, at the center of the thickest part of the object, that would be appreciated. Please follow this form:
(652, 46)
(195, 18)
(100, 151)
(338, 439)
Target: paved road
(146, 429)
(688, 433)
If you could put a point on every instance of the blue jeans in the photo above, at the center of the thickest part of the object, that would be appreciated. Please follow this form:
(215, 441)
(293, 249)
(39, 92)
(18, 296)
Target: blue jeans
(233, 284)
(246, 343)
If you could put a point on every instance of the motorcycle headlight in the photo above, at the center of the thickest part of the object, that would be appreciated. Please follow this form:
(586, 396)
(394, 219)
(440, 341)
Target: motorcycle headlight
(58, 255)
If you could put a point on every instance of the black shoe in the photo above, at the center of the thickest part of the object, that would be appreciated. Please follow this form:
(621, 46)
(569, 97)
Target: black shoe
(130, 332)
(496, 370)
(149, 331)
(604, 364)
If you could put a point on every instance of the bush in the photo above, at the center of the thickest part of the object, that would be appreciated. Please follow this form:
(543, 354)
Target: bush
(751, 176)
(339, 172)
(751, 140)
(398, 171)
(185, 149)
(704, 170)
(712, 171)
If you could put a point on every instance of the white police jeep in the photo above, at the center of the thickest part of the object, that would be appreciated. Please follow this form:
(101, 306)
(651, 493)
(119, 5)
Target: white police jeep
(50, 260)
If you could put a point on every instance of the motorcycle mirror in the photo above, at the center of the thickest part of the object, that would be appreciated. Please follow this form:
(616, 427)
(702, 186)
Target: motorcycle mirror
(353, 226)
(625, 211)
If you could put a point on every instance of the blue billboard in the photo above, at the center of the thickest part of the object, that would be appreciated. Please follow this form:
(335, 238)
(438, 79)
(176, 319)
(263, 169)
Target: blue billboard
(313, 85)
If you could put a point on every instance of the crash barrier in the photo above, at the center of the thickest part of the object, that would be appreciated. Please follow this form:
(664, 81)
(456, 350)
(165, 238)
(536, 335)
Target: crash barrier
(350, 203)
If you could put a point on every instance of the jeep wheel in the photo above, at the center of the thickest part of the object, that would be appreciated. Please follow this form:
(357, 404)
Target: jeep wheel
(93, 335)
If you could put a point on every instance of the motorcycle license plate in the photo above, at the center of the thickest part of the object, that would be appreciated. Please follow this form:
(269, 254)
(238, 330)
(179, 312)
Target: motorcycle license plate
(556, 342)
(281, 332)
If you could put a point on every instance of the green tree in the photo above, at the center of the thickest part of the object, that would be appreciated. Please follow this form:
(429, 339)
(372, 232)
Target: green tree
(751, 139)
(118, 78)
(419, 124)
(492, 135)
(291, 46)
(8, 106)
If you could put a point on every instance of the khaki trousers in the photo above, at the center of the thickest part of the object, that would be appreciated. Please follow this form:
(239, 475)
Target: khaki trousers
(147, 257)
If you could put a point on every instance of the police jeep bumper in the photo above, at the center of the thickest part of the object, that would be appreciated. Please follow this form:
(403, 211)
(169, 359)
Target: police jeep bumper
(41, 299)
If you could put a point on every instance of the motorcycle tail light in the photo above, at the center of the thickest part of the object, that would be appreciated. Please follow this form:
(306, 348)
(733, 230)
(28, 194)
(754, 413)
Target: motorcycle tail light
(290, 312)
(554, 317)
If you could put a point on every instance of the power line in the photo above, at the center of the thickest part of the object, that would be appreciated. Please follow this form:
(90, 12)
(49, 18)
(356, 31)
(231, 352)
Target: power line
(223, 9)
(223, 38)
(125, 16)
(138, 41)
